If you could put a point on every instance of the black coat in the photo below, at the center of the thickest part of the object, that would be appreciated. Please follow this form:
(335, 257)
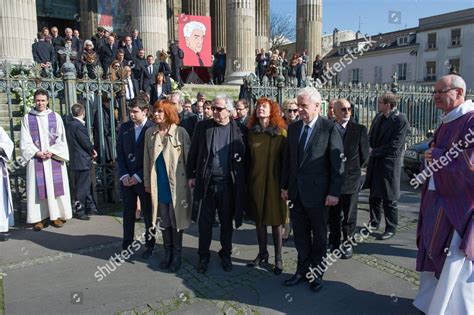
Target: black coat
(166, 89)
(165, 68)
(387, 140)
(129, 56)
(321, 171)
(356, 152)
(107, 55)
(107, 127)
(130, 151)
(147, 79)
(200, 161)
(140, 63)
(80, 146)
(43, 52)
(188, 121)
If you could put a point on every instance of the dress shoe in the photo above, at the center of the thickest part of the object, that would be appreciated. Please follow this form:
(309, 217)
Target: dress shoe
(316, 284)
(331, 248)
(82, 216)
(148, 253)
(262, 258)
(57, 223)
(202, 267)
(226, 264)
(386, 236)
(374, 226)
(294, 280)
(347, 253)
(38, 226)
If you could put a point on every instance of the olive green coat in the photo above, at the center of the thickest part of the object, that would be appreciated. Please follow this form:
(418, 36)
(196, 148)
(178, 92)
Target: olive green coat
(175, 151)
(266, 149)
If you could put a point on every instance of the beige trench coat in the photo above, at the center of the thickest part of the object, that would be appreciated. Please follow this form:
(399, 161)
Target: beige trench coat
(175, 152)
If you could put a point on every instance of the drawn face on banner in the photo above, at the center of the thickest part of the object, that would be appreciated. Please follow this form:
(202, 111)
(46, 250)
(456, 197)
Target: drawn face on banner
(194, 33)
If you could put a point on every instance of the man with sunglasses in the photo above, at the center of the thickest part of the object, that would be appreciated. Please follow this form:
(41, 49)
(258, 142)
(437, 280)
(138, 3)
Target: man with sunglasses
(216, 171)
(386, 141)
(343, 216)
(445, 234)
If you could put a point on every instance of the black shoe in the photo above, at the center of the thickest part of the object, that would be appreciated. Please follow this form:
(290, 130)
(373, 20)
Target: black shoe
(202, 267)
(386, 236)
(177, 241)
(4, 237)
(294, 280)
(166, 260)
(261, 259)
(148, 253)
(316, 284)
(347, 253)
(278, 269)
(226, 264)
(374, 226)
(82, 216)
(331, 248)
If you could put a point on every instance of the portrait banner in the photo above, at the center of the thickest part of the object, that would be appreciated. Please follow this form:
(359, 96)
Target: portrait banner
(195, 40)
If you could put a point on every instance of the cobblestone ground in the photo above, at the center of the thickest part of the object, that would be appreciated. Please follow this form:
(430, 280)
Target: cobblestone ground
(58, 265)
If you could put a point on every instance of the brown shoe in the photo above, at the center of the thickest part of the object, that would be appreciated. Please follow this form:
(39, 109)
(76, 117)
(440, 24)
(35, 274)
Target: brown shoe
(38, 227)
(57, 223)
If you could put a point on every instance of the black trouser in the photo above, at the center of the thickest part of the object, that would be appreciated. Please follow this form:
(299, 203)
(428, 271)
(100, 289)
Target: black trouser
(219, 196)
(343, 217)
(389, 208)
(82, 193)
(310, 234)
(129, 197)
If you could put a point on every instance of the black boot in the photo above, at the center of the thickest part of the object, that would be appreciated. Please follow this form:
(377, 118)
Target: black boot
(177, 239)
(166, 261)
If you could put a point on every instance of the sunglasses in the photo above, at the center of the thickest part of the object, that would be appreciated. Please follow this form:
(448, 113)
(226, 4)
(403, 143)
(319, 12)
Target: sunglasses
(292, 110)
(219, 109)
(346, 110)
(443, 91)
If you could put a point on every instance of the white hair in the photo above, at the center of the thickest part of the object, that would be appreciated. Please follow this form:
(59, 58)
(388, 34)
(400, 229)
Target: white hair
(191, 26)
(457, 82)
(88, 42)
(229, 103)
(311, 92)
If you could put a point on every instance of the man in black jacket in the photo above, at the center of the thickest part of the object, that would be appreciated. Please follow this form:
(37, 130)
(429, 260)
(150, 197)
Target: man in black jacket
(187, 120)
(149, 72)
(81, 153)
(311, 182)
(216, 171)
(130, 150)
(356, 153)
(43, 54)
(386, 140)
(107, 54)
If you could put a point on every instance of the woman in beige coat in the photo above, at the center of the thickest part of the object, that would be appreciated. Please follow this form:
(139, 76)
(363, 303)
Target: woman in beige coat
(164, 169)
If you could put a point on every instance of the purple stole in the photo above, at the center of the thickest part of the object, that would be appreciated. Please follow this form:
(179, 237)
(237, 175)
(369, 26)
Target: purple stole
(39, 166)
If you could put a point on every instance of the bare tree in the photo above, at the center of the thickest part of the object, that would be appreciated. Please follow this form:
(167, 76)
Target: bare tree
(282, 30)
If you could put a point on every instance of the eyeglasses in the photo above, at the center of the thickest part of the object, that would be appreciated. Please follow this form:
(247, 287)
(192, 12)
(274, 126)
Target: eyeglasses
(443, 91)
(292, 110)
(240, 109)
(219, 109)
(346, 109)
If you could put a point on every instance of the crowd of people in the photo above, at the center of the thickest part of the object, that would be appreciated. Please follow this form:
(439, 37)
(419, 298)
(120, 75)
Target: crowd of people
(186, 162)
(269, 62)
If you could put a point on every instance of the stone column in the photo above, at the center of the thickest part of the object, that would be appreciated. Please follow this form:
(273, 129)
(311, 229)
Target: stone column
(171, 14)
(218, 22)
(88, 15)
(262, 24)
(196, 7)
(150, 18)
(309, 27)
(241, 43)
(18, 31)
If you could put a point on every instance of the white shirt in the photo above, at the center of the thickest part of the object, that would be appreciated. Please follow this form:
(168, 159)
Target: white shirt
(138, 128)
(310, 129)
(130, 94)
(82, 121)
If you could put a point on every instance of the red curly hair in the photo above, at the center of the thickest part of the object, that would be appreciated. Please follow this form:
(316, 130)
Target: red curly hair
(276, 120)
(171, 116)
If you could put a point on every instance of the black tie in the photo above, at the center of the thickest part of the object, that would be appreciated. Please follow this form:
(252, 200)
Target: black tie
(201, 64)
(302, 143)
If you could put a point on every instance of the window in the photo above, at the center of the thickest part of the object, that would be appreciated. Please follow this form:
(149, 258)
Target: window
(454, 65)
(378, 74)
(456, 37)
(402, 71)
(432, 41)
(355, 75)
(430, 71)
(402, 40)
(342, 50)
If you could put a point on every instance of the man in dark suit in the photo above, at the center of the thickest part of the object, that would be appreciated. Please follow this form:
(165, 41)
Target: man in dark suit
(81, 153)
(99, 40)
(136, 41)
(130, 149)
(107, 54)
(132, 88)
(177, 55)
(356, 153)
(386, 140)
(216, 171)
(149, 73)
(311, 182)
(242, 108)
(140, 63)
(43, 54)
(129, 50)
(187, 120)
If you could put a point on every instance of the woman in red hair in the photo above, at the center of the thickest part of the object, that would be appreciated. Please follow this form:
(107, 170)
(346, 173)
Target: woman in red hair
(267, 140)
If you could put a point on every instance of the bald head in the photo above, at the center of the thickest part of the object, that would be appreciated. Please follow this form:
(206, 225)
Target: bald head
(449, 92)
(455, 81)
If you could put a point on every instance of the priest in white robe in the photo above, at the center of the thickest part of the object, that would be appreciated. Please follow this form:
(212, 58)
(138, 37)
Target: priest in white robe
(44, 147)
(6, 204)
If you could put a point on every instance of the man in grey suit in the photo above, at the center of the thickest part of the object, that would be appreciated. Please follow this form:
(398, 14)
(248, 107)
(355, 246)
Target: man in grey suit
(311, 181)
